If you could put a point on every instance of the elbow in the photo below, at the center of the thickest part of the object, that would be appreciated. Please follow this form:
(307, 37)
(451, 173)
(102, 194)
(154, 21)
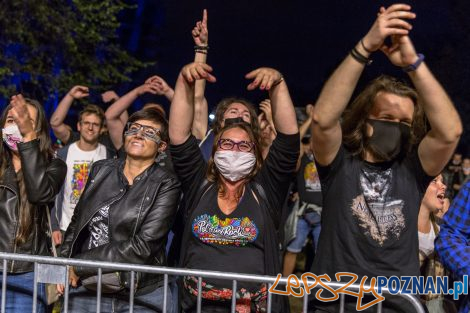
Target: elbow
(319, 121)
(54, 123)
(452, 136)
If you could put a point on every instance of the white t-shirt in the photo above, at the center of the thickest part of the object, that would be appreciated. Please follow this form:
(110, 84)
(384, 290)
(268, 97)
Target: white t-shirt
(426, 241)
(79, 163)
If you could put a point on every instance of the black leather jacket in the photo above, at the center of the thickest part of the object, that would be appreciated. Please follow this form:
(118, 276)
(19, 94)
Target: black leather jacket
(139, 220)
(43, 180)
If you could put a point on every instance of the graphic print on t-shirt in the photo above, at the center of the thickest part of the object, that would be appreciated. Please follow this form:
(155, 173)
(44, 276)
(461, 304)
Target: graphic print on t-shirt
(98, 228)
(312, 181)
(379, 216)
(80, 173)
(229, 231)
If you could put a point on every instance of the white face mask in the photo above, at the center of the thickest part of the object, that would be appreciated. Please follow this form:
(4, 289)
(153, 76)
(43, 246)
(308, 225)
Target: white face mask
(234, 165)
(11, 136)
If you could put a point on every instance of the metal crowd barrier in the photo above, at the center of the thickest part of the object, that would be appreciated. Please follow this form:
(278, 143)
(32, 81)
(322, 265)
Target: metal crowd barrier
(55, 270)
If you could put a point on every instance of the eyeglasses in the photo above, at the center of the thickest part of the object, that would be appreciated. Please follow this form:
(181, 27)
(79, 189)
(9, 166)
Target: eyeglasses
(149, 132)
(88, 124)
(228, 144)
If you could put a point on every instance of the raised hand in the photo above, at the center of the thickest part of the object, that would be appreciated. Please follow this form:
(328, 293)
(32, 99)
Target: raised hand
(161, 85)
(402, 53)
(390, 21)
(309, 108)
(265, 78)
(109, 96)
(151, 85)
(19, 112)
(195, 71)
(265, 107)
(200, 32)
(78, 92)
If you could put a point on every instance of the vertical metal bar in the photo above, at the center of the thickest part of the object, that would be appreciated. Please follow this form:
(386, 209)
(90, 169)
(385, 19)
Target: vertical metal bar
(199, 294)
(132, 292)
(4, 285)
(341, 303)
(35, 288)
(98, 290)
(269, 299)
(165, 292)
(379, 307)
(305, 306)
(66, 292)
(234, 296)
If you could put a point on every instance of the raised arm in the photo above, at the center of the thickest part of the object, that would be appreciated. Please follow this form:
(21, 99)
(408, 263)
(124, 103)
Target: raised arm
(337, 91)
(61, 130)
(304, 127)
(437, 147)
(109, 97)
(182, 106)
(43, 177)
(200, 35)
(281, 103)
(114, 114)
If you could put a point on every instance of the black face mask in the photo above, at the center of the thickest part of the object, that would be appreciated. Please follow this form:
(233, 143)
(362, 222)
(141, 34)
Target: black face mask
(235, 120)
(389, 139)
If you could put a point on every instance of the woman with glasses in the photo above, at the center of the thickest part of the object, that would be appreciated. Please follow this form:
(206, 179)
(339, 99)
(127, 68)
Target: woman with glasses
(234, 200)
(124, 215)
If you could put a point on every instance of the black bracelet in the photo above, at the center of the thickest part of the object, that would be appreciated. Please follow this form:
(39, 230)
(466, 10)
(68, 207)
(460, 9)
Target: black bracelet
(359, 57)
(200, 51)
(364, 46)
(201, 48)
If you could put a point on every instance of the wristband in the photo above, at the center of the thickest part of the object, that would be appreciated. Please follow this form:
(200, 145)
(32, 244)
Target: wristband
(414, 66)
(359, 57)
(201, 48)
(364, 46)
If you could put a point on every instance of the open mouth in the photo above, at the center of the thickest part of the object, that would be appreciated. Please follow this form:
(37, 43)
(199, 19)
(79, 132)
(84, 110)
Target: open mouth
(441, 197)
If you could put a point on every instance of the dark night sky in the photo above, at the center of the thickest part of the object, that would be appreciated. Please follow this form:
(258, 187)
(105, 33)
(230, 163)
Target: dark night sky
(305, 40)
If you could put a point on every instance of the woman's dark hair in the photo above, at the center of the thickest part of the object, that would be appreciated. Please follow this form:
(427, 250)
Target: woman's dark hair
(223, 105)
(154, 115)
(354, 119)
(27, 211)
(213, 174)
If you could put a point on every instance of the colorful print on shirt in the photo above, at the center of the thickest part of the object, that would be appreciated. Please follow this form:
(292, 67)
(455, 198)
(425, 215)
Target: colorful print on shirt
(79, 179)
(312, 180)
(229, 231)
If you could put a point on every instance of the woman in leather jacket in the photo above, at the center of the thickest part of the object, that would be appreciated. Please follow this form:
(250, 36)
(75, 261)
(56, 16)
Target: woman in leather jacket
(29, 179)
(124, 215)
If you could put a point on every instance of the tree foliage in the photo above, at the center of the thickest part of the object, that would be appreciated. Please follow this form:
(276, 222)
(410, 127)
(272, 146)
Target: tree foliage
(51, 45)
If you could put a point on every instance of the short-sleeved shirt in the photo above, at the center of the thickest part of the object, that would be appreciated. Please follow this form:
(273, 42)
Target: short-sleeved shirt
(370, 216)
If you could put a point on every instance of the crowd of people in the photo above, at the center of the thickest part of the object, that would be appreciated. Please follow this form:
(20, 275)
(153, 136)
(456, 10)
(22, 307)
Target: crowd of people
(369, 179)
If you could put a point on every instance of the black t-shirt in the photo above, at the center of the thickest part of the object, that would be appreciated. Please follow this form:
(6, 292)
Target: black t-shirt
(370, 216)
(274, 177)
(308, 181)
(221, 242)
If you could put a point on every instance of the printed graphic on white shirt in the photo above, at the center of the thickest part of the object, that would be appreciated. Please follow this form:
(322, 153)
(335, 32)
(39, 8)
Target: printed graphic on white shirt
(79, 179)
(229, 231)
(379, 216)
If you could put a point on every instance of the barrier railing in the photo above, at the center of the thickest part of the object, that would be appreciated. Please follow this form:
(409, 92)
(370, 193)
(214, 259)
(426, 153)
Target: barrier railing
(55, 270)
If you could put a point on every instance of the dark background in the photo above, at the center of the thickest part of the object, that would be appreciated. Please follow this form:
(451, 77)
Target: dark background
(303, 39)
